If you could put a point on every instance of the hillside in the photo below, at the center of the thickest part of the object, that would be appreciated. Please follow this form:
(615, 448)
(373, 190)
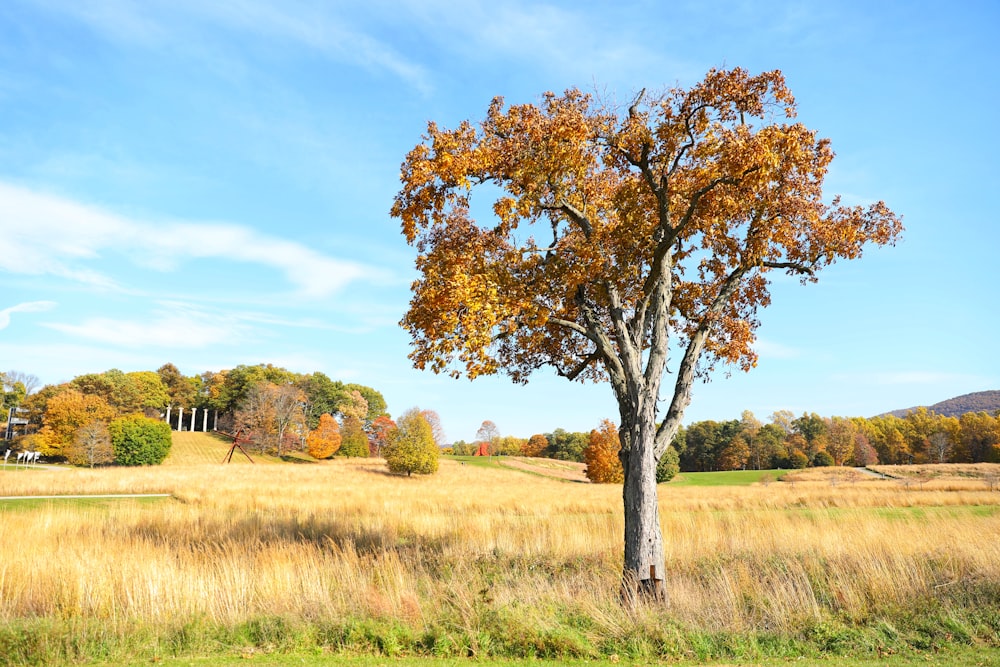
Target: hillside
(980, 401)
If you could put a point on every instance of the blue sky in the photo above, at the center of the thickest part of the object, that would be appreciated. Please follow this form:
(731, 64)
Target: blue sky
(208, 184)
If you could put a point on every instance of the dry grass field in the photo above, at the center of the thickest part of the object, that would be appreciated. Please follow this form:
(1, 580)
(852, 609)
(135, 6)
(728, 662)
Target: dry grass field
(341, 556)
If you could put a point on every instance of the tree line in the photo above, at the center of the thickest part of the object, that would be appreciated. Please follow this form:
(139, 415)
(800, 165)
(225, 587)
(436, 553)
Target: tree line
(276, 409)
(786, 441)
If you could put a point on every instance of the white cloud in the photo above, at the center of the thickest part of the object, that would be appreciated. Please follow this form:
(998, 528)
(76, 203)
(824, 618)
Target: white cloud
(50, 235)
(29, 307)
(772, 350)
(172, 325)
(178, 25)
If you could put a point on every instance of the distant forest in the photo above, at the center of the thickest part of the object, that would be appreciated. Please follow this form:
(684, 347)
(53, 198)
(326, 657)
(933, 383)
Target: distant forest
(980, 401)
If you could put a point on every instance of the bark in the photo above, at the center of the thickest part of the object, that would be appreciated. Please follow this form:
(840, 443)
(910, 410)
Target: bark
(643, 569)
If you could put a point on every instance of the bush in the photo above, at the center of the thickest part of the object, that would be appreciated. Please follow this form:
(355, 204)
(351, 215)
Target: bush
(798, 460)
(139, 441)
(822, 459)
(669, 465)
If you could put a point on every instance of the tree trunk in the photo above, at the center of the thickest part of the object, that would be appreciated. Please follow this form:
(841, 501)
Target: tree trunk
(643, 571)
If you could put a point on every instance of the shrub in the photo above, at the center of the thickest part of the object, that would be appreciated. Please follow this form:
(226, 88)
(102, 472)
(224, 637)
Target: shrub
(139, 441)
(797, 459)
(823, 459)
(669, 465)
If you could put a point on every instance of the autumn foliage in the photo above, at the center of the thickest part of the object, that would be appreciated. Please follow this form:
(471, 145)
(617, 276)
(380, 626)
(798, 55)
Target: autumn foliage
(410, 448)
(601, 455)
(324, 440)
(620, 233)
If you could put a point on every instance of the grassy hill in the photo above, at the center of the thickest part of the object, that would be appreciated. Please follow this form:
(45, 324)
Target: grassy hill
(196, 448)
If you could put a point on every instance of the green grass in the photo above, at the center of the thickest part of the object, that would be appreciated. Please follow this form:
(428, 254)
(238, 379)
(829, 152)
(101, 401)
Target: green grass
(728, 478)
(479, 461)
(28, 503)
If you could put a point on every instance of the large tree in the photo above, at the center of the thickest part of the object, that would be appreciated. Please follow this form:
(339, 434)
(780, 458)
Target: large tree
(620, 236)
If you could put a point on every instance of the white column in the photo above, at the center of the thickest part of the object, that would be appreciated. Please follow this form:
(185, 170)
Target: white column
(194, 419)
(215, 424)
(204, 420)
(168, 415)
(180, 419)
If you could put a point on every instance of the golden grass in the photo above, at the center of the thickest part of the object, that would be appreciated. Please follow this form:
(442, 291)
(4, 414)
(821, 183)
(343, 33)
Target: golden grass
(344, 539)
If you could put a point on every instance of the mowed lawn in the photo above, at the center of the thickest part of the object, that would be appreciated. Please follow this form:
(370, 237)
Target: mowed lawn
(728, 478)
(196, 448)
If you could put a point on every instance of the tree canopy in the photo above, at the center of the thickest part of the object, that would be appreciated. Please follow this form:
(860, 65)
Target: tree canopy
(617, 235)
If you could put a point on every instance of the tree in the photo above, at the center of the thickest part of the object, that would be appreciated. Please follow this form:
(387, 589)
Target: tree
(508, 445)
(65, 412)
(841, 438)
(411, 447)
(91, 445)
(274, 415)
(324, 440)
(620, 235)
(566, 446)
(980, 436)
(488, 433)
(139, 441)
(734, 454)
(668, 467)
(353, 441)
(13, 391)
(535, 446)
(434, 419)
(378, 434)
(373, 399)
(181, 390)
(601, 455)
(30, 382)
(323, 396)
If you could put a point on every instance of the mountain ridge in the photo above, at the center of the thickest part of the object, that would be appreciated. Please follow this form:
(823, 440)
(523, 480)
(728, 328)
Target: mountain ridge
(979, 401)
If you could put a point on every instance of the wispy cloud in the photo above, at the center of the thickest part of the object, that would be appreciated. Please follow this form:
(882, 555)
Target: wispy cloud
(50, 235)
(323, 28)
(171, 325)
(773, 350)
(29, 307)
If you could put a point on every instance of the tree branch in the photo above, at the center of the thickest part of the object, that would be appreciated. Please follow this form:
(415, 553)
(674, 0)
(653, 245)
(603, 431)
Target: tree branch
(686, 370)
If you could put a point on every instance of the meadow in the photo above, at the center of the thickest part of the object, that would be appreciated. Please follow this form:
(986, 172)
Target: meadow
(340, 558)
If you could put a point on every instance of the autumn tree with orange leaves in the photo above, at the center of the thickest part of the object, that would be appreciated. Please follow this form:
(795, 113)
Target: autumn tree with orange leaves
(601, 455)
(620, 234)
(323, 441)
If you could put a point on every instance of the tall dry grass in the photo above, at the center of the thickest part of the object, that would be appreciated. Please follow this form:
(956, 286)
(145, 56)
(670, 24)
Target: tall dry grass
(472, 554)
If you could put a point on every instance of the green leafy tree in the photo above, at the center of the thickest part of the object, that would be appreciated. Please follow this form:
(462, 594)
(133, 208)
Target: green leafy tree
(139, 441)
(669, 466)
(353, 440)
(410, 448)
(566, 446)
